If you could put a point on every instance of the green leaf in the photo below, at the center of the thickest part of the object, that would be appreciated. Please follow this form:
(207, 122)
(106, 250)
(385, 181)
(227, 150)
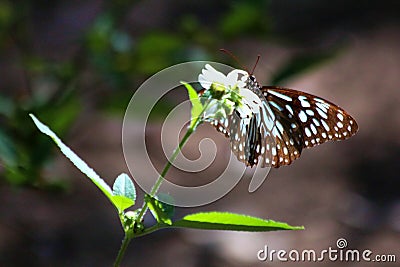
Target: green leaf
(122, 203)
(8, 154)
(197, 107)
(161, 211)
(78, 162)
(7, 106)
(246, 18)
(124, 193)
(152, 57)
(123, 186)
(68, 108)
(231, 221)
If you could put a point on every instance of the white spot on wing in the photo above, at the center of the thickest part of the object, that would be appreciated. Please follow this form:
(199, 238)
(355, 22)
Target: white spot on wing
(322, 113)
(279, 126)
(322, 107)
(316, 122)
(307, 131)
(325, 125)
(302, 116)
(284, 97)
(289, 108)
(304, 103)
(313, 129)
(275, 105)
(310, 112)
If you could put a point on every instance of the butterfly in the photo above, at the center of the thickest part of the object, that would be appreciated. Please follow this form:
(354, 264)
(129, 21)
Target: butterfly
(275, 124)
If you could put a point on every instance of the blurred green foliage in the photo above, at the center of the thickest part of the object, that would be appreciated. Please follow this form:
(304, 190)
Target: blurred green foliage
(108, 57)
(22, 152)
(248, 18)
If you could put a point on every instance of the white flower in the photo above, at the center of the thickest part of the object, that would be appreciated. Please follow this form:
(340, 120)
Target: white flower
(247, 102)
(234, 78)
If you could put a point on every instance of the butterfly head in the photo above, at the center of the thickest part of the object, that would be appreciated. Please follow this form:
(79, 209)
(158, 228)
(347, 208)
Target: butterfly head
(252, 79)
(252, 83)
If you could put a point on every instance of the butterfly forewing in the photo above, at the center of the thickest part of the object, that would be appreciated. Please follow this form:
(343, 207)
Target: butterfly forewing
(318, 119)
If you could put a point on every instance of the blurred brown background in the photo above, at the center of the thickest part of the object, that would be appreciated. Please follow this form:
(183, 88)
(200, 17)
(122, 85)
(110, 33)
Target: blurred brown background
(75, 64)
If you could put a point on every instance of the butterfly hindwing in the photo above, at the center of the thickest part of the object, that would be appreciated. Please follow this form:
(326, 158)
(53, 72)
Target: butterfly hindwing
(245, 138)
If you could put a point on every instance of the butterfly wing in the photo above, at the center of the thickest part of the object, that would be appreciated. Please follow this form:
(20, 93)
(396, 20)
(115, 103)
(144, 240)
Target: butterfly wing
(233, 128)
(309, 120)
(249, 137)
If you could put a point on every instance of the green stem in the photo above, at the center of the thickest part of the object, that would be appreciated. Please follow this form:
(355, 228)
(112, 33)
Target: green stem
(124, 246)
(164, 172)
(157, 184)
(128, 237)
(151, 229)
(170, 161)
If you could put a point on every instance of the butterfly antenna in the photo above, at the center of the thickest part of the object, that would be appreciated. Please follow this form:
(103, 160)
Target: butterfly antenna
(229, 53)
(255, 65)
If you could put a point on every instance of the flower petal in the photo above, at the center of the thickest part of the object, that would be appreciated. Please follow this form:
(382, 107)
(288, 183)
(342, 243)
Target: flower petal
(237, 78)
(213, 107)
(251, 99)
(210, 75)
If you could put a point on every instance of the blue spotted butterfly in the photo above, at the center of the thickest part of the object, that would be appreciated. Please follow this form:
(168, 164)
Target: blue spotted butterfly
(275, 124)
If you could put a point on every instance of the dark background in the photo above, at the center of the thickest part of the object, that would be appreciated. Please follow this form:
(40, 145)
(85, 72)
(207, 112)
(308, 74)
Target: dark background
(75, 64)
